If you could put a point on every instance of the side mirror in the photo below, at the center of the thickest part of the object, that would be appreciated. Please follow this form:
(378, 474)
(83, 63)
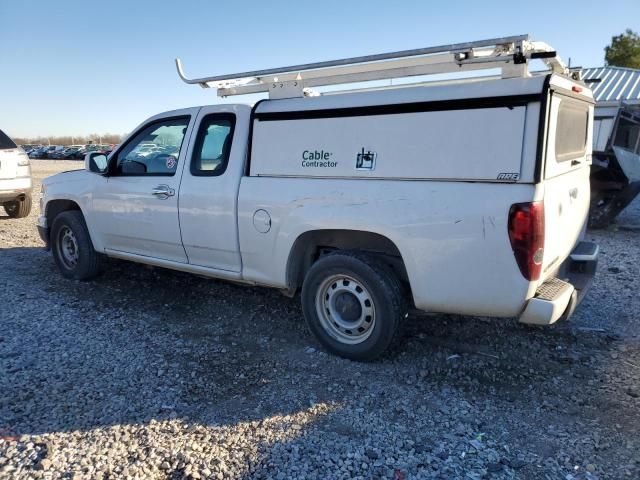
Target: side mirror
(96, 162)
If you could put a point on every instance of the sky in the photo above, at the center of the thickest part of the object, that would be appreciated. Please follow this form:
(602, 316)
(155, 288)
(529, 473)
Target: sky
(75, 67)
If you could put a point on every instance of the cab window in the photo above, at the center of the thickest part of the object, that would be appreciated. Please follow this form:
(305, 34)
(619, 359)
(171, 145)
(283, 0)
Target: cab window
(213, 145)
(153, 151)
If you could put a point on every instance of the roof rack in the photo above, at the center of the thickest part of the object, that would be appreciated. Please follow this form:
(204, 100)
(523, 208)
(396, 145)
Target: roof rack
(510, 54)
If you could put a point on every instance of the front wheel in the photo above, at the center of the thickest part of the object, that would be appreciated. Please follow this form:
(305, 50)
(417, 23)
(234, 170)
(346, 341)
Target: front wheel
(72, 248)
(353, 304)
(18, 208)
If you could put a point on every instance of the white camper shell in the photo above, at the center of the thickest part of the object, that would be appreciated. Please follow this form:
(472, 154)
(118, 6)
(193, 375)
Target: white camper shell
(465, 197)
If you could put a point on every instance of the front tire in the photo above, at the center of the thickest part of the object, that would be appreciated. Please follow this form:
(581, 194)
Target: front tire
(19, 208)
(72, 248)
(353, 304)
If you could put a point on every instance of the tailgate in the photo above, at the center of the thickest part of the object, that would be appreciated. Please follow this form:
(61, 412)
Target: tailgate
(8, 163)
(566, 177)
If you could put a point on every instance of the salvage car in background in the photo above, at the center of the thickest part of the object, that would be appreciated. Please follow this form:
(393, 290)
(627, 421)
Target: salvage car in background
(615, 172)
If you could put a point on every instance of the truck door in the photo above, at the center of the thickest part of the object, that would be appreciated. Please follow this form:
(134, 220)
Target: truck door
(566, 177)
(136, 209)
(209, 188)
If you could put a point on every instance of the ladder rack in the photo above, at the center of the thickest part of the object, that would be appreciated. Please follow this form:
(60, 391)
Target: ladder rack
(510, 54)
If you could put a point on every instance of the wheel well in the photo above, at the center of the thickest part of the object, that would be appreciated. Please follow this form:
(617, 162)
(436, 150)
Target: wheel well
(311, 245)
(56, 207)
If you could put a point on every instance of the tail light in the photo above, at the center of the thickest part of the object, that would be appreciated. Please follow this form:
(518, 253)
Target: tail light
(23, 159)
(526, 233)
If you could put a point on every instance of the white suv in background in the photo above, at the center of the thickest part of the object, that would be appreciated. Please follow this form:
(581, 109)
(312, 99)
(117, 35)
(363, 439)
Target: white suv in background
(15, 178)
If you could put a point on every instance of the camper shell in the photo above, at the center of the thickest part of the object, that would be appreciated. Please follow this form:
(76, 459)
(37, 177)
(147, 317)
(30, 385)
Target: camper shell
(424, 132)
(464, 197)
(447, 158)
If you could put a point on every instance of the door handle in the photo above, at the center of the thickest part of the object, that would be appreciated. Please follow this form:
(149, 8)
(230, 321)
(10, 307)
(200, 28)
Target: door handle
(163, 192)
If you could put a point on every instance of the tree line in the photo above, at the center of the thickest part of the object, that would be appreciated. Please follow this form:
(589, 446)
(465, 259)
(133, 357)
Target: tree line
(106, 138)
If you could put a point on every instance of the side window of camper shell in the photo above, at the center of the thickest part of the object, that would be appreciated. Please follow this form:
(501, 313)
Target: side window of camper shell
(572, 128)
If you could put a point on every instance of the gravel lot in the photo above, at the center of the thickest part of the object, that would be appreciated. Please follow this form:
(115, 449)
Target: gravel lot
(147, 373)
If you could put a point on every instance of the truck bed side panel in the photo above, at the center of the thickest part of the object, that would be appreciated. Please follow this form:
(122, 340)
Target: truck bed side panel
(452, 235)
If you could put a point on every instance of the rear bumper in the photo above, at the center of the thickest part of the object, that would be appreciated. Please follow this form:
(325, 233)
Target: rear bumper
(12, 188)
(558, 297)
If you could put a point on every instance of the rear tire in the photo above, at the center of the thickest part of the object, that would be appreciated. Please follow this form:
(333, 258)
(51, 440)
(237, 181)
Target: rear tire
(72, 248)
(353, 304)
(19, 208)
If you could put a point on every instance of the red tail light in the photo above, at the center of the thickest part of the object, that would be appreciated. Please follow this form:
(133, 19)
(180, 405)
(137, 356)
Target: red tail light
(526, 233)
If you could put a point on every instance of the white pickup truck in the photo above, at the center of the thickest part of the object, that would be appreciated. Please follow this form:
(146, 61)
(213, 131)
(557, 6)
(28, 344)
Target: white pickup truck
(465, 197)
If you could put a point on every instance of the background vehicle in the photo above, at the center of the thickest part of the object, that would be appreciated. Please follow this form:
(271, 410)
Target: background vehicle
(459, 197)
(79, 154)
(39, 152)
(48, 151)
(56, 153)
(31, 149)
(110, 148)
(15, 178)
(71, 153)
(28, 147)
(92, 148)
(615, 173)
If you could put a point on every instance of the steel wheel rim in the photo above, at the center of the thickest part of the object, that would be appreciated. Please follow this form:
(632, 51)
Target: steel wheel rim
(68, 246)
(11, 207)
(345, 308)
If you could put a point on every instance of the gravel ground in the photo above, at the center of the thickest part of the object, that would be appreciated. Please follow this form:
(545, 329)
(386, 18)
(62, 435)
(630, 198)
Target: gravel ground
(148, 373)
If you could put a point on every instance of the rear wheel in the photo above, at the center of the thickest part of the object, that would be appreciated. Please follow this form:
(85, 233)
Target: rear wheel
(353, 304)
(18, 208)
(72, 248)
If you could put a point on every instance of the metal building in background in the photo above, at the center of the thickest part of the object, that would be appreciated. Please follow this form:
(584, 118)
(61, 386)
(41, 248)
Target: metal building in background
(615, 173)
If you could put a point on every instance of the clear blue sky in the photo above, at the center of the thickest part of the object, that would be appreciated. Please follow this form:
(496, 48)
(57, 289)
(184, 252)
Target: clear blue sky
(82, 66)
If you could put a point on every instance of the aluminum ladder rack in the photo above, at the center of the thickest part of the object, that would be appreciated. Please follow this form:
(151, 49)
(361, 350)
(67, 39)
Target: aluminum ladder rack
(510, 54)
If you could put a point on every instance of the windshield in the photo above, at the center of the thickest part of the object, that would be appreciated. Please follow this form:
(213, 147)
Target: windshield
(5, 141)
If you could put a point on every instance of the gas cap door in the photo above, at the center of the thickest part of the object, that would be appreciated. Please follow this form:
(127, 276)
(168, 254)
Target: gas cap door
(262, 221)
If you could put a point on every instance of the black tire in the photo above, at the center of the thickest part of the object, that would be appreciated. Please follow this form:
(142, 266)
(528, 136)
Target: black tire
(70, 228)
(19, 208)
(381, 287)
